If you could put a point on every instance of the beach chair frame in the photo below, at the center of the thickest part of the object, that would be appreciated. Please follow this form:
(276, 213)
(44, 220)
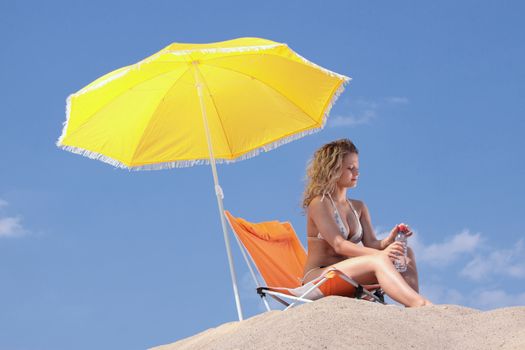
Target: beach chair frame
(361, 291)
(290, 300)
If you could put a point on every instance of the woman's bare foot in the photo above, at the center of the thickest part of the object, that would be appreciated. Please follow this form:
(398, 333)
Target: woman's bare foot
(423, 302)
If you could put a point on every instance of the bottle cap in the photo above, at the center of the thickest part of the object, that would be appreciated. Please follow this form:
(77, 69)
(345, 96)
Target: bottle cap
(402, 228)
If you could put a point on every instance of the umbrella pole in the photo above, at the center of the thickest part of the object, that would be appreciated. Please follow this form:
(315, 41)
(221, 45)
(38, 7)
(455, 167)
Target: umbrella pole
(219, 194)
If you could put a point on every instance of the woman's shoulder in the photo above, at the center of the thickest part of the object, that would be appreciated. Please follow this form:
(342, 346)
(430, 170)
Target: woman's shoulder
(317, 202)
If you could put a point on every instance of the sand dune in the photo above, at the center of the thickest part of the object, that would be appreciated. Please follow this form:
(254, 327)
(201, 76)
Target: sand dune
(342, 323)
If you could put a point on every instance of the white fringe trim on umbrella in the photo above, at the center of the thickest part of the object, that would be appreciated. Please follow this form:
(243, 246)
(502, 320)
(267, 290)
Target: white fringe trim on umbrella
(224, 49)
(124, 71)
(190, 163)
(208, 51)
(326, 71)
(65, 123)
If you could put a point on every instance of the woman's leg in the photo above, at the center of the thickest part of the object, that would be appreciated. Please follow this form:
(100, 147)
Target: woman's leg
(370, 268)
(410, 275)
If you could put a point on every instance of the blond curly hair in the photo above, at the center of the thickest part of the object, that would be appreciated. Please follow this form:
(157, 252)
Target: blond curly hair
(325, 168)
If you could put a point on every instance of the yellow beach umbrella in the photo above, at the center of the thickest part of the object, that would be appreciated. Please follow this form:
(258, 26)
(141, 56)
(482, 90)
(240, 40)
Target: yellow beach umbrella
(200, 103)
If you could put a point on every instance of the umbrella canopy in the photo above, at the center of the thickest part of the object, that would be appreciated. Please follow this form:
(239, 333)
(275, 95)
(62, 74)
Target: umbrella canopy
(198, 103)
(257, 94)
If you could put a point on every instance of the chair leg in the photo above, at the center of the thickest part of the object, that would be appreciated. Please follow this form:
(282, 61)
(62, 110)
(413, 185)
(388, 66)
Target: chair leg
(380, 294)
(263, 291)
(268, 308)
(360, 291)
(316, 285)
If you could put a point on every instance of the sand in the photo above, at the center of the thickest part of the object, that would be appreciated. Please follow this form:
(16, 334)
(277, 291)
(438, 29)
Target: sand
(343, 323)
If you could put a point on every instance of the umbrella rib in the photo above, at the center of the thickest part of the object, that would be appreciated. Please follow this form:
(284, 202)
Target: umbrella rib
(216, 111)
(120, 94)
(144, 132)
(268, 85)
(270, 53)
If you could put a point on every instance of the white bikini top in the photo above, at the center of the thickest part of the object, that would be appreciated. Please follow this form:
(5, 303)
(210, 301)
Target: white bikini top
(356, 238)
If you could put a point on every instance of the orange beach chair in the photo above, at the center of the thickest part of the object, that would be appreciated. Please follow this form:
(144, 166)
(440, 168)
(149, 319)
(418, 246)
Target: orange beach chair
(279, 257)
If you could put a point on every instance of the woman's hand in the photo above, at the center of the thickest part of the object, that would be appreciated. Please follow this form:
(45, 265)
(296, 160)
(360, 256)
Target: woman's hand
(393, 251)
(399, 227)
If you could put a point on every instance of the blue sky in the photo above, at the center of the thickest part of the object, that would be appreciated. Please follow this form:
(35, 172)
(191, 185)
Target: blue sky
(97, 257)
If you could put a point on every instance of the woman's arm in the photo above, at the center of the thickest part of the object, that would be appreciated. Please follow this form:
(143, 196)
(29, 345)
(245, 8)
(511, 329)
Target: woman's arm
(322, 215)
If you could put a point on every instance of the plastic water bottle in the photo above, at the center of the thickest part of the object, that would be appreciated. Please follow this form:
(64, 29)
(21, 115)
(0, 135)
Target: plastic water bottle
(401, 262)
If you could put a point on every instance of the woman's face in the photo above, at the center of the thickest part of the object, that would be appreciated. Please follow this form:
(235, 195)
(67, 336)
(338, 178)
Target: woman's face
(350, 171)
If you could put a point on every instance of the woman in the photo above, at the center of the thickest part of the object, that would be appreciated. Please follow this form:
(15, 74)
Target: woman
(335, 224)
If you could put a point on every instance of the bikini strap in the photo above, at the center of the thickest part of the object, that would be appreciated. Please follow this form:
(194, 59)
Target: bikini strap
(331, 200)
(351, 206)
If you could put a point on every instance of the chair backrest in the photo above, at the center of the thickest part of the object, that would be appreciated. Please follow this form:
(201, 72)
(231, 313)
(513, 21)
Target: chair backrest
(274, 248)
